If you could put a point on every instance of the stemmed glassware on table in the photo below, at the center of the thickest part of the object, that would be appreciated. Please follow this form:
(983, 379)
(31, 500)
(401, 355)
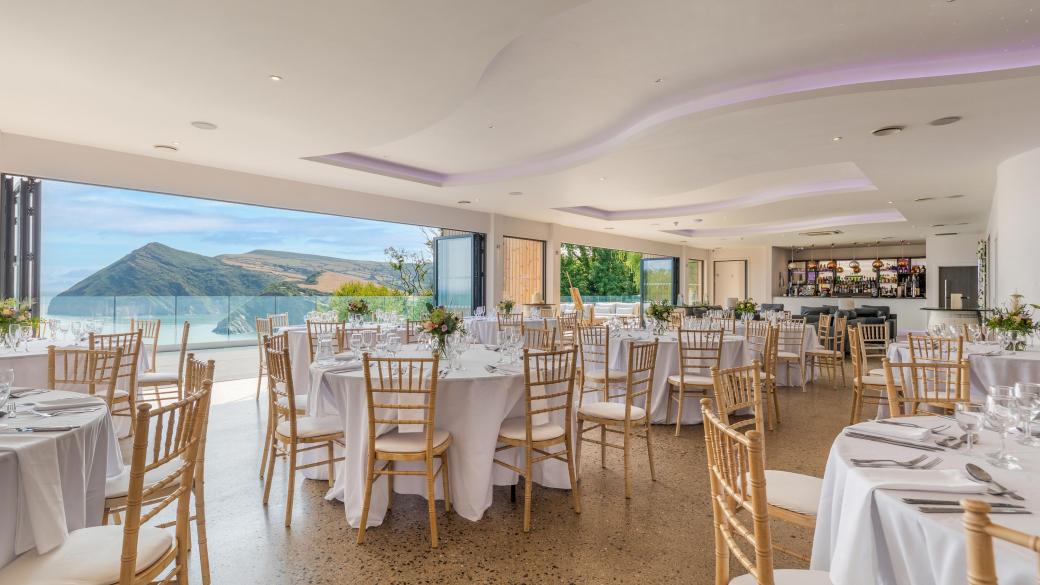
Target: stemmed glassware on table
(6, 381)
(393, 345)
(77, 331)
(1027, 395)
(1001, 416)
(969, 417)
(355, 344)
(27, 335)
(380, 343)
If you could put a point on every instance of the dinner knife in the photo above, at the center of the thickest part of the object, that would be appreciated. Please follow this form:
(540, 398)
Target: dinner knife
(43, 429)
(958, 510)
(927, 502)
(877, 439)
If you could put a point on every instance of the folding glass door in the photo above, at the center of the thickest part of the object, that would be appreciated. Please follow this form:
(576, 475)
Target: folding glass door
(458, 266)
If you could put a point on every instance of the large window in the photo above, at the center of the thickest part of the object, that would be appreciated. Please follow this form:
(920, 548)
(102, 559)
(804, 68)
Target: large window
(694, 282)
(110, 255)
(599, 274)
(523, 270)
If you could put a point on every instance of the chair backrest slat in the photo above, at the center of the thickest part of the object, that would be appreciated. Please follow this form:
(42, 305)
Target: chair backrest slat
(699, 351)
(95, 370)
(130, 344)
(738, 389)
(544, 374)
(933, 384)
(386, 379)
(278, 320)
(149, 337)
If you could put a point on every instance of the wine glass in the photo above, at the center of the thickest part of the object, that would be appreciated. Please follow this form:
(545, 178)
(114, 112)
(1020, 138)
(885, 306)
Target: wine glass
(393, 345)
(27, 335)
(969, 418)
(1028, 397)
(380, 343)
(355, 344)
(1001, 415)
(77, 331)
(64, 325)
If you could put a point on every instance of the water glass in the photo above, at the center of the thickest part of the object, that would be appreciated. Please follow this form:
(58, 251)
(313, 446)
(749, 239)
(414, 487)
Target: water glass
(1028, 397)
(969, 418)
(393, 345)
(355, 344)
(77, 331)
(1001, 416)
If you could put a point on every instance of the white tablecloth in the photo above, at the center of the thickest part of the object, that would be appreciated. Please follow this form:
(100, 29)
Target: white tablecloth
(53, 483)
(987, 370)
(868, 537)
(734, 353)
(471, 404)
(485, 329)
(30, 369)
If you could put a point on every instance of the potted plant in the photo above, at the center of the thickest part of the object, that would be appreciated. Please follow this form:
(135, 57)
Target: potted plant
(1014, 322)
(506, 306)
(439, 323)
(658, 313)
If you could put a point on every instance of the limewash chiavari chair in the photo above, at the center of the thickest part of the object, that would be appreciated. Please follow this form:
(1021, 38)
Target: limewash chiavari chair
(198, 379)
(738, 389)
(411, 332)
(546, 312)
(540, 339)
(609, 414)
(791, 348)
(544, 375)
(595, 373)
(980, 532)
(930, 348)
(755, 333)
(294, 434)
(95, 370)
(171, 381)
(279, 320)
(568, 328)
(935, 384)
(386, 380)
(334, 329)
(263, 329)
(831, 356)
(130, 344)
(135, 553)
(867, 388)
(510, 320)
(875, 342)
(737, 476)
(699, 351)
(769, 360)
(149, 337)
(675, 318)
(728, 324)
(276, 343)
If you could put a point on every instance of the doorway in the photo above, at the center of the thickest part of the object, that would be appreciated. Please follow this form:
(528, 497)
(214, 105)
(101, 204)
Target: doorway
(963, 280)
(730, 280)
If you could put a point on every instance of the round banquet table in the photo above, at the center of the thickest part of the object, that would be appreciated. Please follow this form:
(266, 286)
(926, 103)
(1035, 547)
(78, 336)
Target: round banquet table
(868, 535)
(734, 353)
(471, 405)
(30, 368)
(52, 483)
(986, 369)
(485, 329)
(300, 355)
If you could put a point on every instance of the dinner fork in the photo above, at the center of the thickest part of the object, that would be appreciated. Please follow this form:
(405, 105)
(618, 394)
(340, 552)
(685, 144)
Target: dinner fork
(907, 463)
(927, 465)
(63, 412)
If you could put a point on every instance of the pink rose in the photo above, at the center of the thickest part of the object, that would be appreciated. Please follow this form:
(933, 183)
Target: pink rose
(444, 328)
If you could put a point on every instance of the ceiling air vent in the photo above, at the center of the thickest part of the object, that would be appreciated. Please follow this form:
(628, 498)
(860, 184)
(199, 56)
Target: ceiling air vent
(818, 233)
(947, 234)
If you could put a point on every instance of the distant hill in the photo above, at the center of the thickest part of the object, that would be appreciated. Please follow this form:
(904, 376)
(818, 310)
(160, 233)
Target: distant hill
(156, 270)
(314, 274)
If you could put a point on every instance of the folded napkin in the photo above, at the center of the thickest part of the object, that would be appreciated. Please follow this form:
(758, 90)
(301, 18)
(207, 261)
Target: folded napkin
(67, 403)
(892, 431)
(19, 391)
(954, 481)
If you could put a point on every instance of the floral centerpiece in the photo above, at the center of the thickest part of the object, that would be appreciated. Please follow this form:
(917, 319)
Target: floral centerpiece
(1014, 321)
(439, 323)
(746, 307)
(358, 307)
(659, 313)
(506, 306)
(15, 313)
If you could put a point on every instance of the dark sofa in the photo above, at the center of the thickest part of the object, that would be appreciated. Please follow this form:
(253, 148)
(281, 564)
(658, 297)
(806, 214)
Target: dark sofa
(867, 314)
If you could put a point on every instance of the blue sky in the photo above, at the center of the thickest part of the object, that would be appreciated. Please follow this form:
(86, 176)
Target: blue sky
(86, 227)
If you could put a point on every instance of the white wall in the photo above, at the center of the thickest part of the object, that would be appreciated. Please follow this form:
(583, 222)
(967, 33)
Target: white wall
(1014, 233)
(959, 250)
(69, 162)
(759, 263)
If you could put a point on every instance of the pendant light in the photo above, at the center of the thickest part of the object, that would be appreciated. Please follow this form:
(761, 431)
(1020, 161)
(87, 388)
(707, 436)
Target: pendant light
(903, 261)
(792, 264)
(854, 265)
(877, 263)
(832, 264)
(813, 264)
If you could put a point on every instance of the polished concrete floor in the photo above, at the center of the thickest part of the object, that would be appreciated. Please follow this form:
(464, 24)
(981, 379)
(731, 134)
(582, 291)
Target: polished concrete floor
(662, 535)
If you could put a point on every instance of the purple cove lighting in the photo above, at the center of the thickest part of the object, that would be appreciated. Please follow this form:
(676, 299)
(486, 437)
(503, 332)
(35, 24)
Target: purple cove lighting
(880, 216)
(948, 66)
(751, 200)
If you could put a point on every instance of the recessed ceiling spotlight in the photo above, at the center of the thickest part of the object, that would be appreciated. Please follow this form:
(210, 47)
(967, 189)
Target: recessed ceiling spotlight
(168, 147)
(938, 225)
(602, 178)
(659, 80)
(464, 202)
(204, 125)
(945, 121)
(891, 202)
(491, 126)
(836, 139)
(888, 130)
(275, 77)
(175, 143)
(515, 193)
(697, 220)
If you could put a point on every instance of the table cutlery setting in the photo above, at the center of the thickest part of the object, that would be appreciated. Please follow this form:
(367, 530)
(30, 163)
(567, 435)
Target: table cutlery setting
(915, 463)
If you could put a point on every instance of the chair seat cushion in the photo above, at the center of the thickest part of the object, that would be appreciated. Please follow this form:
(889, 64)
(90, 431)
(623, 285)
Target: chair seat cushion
(153, 378)
(879, 380)
(118, 486)
(691, 380)
(313, 426)
(398, 442)
(88, 556)
(877, 372)
(598, 375)
(822, 351)
(301, 402)
(611, 410)
(793, 491)
(786, 355)
(789, 577)
(117, 394)
(515, 428)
